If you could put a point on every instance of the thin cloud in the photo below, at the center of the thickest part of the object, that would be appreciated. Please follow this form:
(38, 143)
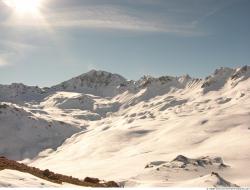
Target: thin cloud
(156, 16)
(15, 46)
(3, 62)
(130, 25)
(10, 51)
(213, 11)
(119, 19)
(107, 17)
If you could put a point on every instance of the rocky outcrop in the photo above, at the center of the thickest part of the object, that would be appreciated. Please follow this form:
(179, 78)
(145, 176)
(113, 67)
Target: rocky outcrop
(184, 162)
(220, 181)
(54, 177)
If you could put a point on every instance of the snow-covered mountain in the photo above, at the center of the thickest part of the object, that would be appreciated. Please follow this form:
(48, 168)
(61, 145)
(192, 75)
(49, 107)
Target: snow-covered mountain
(113, 128)
(24, 133)
(18, 92)
(99, 83)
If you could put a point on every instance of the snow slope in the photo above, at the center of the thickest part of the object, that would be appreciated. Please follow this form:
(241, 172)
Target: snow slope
(12, 178)
(24, 134)
(127, 124)
(16, 179)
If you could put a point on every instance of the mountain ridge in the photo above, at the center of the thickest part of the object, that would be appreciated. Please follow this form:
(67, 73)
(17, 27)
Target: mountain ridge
(106, 84)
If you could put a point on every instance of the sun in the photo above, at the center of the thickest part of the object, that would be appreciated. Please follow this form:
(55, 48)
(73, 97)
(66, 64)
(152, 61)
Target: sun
(24, 6)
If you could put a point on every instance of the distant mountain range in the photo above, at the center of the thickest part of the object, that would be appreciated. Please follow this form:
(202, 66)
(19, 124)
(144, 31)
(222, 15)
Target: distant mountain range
(100, 124)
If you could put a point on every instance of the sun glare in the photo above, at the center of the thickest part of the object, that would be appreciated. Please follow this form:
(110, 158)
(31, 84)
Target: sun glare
(24, 6)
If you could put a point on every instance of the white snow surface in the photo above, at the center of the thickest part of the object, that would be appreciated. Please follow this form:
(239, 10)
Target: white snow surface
(16, 179)
(24, 132)
(118, 127)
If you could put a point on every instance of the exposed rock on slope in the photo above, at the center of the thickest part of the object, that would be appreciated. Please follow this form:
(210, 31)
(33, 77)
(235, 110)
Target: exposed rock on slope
(54, 177)
(184, 162)
(223, 76)
(183, 171)
(218, 181)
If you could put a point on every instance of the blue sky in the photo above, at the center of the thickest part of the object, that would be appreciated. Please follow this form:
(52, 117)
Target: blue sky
(63, 38)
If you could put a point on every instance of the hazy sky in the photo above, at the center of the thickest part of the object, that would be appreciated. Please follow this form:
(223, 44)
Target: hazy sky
(61, 39)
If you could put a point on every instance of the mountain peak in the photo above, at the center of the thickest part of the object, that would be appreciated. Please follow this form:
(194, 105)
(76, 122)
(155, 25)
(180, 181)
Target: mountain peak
(100, 73)
(241, 72)
(96, 72)
(94, 82)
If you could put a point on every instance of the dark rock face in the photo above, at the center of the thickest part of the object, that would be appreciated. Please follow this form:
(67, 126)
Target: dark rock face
(91, 180)
(222, 182)
(183, 159)
(240, 72)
